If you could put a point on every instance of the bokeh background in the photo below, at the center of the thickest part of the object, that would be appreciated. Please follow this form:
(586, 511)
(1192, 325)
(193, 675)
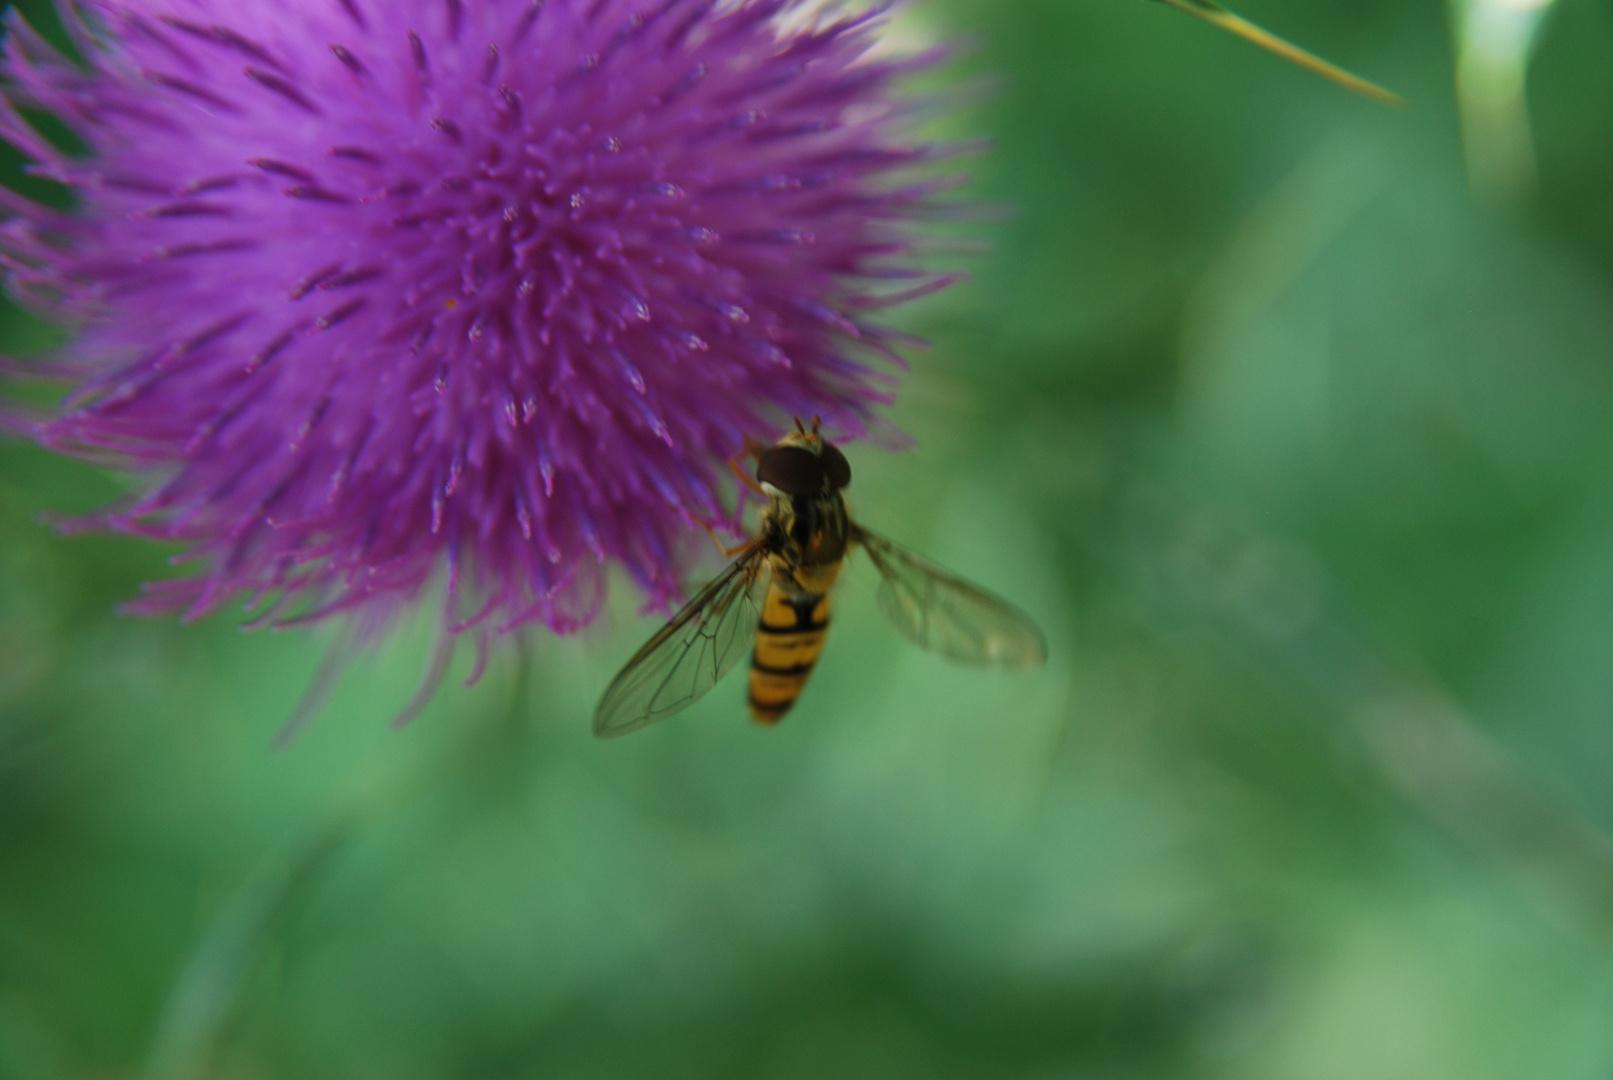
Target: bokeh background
(1286, 415)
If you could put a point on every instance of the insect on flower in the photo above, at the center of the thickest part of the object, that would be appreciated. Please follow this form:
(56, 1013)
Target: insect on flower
(776, 593)
(364, 292)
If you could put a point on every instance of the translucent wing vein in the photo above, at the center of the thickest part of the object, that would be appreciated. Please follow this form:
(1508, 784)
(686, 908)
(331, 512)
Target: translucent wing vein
(689, 654)
(945, 614)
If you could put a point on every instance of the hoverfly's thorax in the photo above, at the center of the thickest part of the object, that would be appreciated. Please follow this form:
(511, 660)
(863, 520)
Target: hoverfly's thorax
(807, 537)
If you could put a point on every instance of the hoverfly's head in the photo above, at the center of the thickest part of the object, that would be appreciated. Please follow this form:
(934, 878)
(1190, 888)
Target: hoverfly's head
(802, 463)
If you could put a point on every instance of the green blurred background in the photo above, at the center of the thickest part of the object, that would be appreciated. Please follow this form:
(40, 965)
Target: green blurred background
(1297, 445)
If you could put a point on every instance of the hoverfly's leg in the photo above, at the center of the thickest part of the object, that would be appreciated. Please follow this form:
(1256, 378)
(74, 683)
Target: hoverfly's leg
(745, 477)
(729, 552)
(752, 448)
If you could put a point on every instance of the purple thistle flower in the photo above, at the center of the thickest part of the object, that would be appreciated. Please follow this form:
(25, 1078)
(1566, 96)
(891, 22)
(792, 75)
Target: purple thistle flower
(370, 292)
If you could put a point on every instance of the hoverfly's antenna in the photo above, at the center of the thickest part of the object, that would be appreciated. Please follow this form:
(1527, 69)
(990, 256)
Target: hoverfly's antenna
(817, 422)
(798, 426)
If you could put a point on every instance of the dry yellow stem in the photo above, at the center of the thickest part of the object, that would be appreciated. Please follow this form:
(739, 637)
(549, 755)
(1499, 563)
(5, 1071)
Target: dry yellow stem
(1214, 13)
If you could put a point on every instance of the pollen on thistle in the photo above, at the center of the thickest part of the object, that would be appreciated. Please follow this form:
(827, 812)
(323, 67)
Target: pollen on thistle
(456, 301)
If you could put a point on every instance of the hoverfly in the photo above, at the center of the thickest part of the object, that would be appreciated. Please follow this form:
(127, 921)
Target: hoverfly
(776, 594)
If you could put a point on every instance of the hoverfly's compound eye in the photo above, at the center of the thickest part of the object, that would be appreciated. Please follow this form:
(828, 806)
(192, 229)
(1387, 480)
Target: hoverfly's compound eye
(793, 470)
(836, 467)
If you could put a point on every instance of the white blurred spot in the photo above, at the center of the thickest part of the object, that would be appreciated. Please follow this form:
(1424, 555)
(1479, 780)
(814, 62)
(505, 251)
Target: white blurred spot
(1494, 41)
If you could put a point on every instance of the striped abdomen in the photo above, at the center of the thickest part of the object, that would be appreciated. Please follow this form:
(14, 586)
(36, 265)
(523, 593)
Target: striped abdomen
(788, 642)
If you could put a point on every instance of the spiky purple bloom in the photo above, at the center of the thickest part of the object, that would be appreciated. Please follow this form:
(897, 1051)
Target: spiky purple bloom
(370, 290)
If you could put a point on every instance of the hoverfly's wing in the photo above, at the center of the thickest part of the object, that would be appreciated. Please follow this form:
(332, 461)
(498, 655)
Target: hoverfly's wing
(945, 614)
(679, 664)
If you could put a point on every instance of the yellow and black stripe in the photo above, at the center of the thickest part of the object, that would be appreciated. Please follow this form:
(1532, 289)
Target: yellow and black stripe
(788, 642)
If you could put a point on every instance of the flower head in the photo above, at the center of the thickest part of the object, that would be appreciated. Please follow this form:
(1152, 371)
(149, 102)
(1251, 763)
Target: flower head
(373, 290)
